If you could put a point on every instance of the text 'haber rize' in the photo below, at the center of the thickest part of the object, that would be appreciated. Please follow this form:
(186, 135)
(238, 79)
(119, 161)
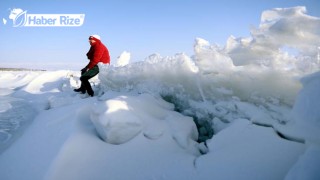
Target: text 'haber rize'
(62, 20)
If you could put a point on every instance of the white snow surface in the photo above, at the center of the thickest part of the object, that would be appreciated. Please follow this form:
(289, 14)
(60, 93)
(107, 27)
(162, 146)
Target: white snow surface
(248, 110)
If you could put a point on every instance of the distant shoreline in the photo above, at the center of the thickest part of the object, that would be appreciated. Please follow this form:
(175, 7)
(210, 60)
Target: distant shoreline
(19, 69)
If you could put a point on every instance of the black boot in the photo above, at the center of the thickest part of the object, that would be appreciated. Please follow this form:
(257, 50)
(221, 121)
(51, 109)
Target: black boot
(82, 91)
(91, 94)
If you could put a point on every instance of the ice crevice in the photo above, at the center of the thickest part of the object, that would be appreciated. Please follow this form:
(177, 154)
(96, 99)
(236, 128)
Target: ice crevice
(281, 134)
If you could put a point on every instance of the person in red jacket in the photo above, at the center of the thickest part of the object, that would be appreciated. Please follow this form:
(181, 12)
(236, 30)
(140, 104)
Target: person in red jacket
(98, 53)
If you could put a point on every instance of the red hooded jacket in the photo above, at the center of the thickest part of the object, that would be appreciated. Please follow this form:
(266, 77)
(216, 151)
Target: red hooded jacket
(98, 53)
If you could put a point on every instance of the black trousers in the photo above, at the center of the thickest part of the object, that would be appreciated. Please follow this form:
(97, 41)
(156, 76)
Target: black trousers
(85, 76)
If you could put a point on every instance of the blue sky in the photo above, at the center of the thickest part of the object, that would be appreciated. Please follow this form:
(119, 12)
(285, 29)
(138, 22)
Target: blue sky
(141, 27)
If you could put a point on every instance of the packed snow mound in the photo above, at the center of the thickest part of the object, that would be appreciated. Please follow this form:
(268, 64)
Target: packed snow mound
(47, 82)
(120, 119)
(236, 153)
(114, 125)
(305, 115)
(18, 79)
(307, 102)
(307, 167)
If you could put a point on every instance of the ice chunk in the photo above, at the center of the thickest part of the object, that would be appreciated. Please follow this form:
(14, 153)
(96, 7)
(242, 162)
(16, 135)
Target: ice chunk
(115, 123)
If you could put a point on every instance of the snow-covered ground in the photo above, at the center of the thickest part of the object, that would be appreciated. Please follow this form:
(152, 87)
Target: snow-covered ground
(248, 110)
